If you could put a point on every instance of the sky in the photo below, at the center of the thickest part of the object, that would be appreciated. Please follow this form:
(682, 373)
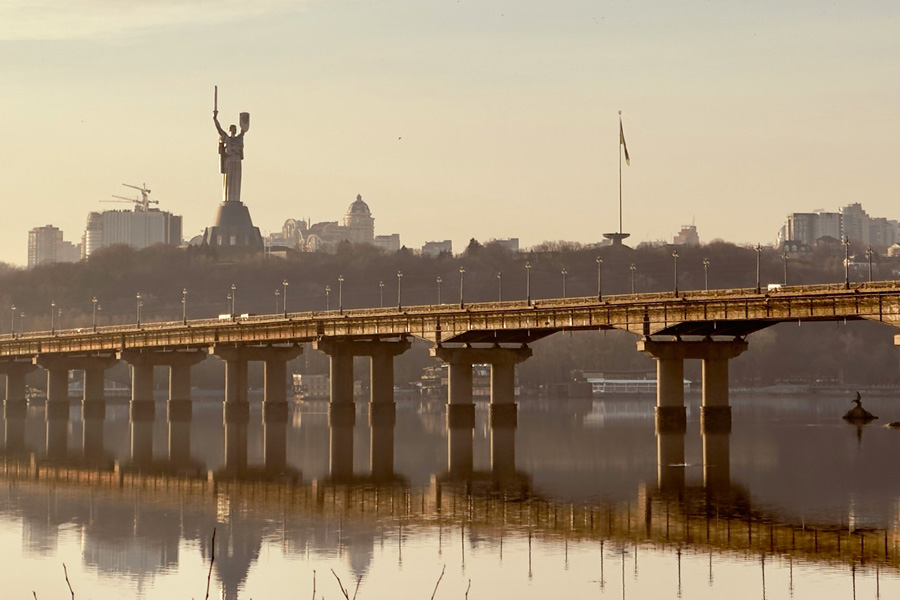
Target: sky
(454, 119)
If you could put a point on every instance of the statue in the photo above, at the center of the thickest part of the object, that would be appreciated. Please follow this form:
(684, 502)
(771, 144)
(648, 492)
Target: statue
(231, 153)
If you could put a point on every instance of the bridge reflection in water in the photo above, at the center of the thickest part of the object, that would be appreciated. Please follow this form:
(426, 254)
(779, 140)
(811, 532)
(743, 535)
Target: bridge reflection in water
(167, 488)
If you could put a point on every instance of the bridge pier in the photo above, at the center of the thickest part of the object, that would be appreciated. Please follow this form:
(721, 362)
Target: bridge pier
(179, 363)
(16, 403)
(715, 412)
(382, 410)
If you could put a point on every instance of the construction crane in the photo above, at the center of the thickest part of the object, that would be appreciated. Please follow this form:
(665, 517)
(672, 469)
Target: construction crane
(141, 204)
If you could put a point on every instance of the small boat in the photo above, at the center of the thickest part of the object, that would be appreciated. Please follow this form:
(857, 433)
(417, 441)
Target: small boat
(858, 415)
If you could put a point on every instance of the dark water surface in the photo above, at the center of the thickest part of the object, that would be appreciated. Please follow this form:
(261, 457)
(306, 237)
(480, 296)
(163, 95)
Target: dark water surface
(581, 500)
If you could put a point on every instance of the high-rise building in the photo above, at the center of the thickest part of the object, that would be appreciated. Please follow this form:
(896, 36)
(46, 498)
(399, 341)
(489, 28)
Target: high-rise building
(46, 245)
(138, 228)
(851, 222)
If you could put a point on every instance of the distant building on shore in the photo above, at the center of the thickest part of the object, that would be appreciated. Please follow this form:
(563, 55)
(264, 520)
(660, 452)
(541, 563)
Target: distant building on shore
(437, 248)
(687, 236)
(850, 222)
(138, 228)
(46, 245)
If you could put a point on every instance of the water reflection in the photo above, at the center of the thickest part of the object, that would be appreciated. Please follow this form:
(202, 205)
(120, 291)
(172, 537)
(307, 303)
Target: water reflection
(589, 483)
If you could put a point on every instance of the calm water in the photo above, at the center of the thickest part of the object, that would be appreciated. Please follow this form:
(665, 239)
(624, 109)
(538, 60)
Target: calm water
(582, 499)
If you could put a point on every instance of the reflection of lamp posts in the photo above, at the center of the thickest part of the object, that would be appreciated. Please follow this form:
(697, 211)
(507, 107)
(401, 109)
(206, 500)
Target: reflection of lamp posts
(599, 279)
(138, 308)
(233, 297)
(675, 257)
(869, 258)
(846, 263)
(528, 283)
(632, 267)
(462, 275)
(564, 273)
(341, 294)
(784, 257)
(381, 294)
(184, 306)
(758, 254)
(12, 321)
(399, 290)
(94, 313)
(499, 286)
(284, 285)
(439, 282)
(52, 317)
(327, 297)
(706, 274)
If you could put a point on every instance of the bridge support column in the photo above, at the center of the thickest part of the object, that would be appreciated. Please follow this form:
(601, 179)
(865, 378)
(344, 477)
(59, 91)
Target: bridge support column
(57, 367)
(715, 412)
(16, 404)
(143, 405)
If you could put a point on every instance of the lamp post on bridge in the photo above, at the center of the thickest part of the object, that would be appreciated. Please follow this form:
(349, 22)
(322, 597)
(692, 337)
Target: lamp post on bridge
(499, 286)
(784, 258)
(564, 272)
(381, 294)
(706, 274)
(327, 297)
(94, 313)
(284, 285)
(869, 254)
(233, 298)
(633, 268)
(758, 253)
(528, 283)
(12, 321)
(340, 294)
(599, 279)
(184, 306)
(59, 317)
(52, 317)
(675, 258)
(22, 321)
(399, 290)
(277, 296)
(439, 282)
(846, 243)
(462, 275)
(140, 303)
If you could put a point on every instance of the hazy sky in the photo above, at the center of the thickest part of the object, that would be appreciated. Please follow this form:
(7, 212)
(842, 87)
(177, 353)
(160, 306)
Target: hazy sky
(454, 118)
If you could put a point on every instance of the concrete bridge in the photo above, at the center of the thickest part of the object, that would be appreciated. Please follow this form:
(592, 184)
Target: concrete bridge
(710, 326)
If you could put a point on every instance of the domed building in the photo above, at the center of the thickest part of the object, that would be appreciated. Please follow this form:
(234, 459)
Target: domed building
(359, 222)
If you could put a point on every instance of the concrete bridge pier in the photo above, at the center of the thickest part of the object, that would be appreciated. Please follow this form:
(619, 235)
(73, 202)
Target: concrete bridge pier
(57, 367)
(715, 411)
(16, 403)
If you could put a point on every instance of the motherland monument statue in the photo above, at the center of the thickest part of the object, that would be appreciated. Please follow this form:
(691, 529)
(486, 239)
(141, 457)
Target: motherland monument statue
(234, 227)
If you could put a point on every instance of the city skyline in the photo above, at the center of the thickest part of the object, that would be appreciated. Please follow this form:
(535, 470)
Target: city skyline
(455, 121)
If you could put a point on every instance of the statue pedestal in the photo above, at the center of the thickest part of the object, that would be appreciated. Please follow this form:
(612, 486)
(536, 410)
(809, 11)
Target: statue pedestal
(233, 228)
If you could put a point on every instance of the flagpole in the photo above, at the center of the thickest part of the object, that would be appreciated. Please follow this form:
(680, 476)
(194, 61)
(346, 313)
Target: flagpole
(620, 172)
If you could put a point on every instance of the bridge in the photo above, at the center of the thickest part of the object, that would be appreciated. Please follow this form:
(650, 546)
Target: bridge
(708, 325)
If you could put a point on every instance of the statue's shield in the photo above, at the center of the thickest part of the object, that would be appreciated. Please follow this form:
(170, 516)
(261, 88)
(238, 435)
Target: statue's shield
(245, 121)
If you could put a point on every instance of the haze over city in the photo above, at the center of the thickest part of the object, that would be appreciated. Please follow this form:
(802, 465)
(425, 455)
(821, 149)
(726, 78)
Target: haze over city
(454, 119)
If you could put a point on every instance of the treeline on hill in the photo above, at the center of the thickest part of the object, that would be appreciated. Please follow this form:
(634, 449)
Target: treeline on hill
(856, 352)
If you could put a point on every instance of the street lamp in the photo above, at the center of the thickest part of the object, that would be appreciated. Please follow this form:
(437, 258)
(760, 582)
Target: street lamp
(22, 321)
(499, 286)
(758, 253)
(138, 308)
(706, 274)
(341, 294)
(94, 313)
(599, 279)
(632, 267)
(784, 258)
(381, 294)
(327, 297)
(439, 282)
(564, 273)
(184, 306)
(59, 317)
(528, 283)
(12, 321)
(399, 290)
(869, 254)
(233, 298)
(675, 257)
(284, 284)
(52, 317)
(846, 243)
(462, 275)
(277, 296)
